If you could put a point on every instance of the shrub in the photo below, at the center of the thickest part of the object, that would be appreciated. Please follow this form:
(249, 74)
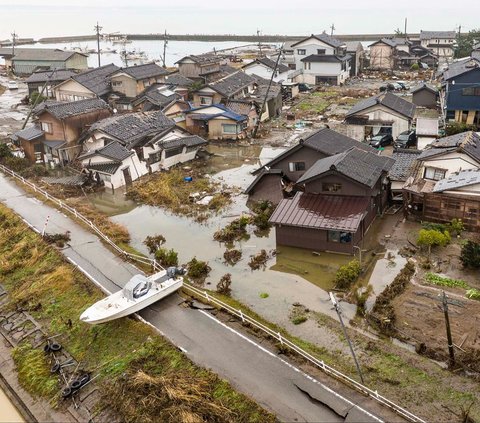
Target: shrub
(5, 151)
(223, 287)
(414, 67)
(263, 295)
(166, 257)
(35, 171)
(153, 243)
(458, 127)
(457, 227)
(347, 274)
(470, 255)
(431, 238)
(235, 230)
(17, 164)
(473, 294)
(36, 98)
(198, 270)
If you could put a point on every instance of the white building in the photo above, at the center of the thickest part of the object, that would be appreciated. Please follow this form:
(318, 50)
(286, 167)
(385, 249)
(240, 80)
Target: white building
(264, 68)
(321, 59)
(441, 43)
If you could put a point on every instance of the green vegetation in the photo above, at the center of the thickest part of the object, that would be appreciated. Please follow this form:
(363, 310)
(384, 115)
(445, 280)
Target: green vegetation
(470, 255)
(263, 210)
(347, 274)
(263, 295)
(166, 257)
(223, 286)
(36, 98)
(134, 362)
(431, 238)
(456, 226)
(153, 243)
(473, 294)
(441, 281)
(236, 230)
(170, 190)
(198, 270)
(232, 257)
(4, 151)
(465, 43)
(415, 67)
(453, 128)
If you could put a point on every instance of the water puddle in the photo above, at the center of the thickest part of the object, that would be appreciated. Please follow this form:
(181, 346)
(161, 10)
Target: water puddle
(383, 274)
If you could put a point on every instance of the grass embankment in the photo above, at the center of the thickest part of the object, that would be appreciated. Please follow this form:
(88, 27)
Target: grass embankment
(171, 191)
(410, 380)
(142, 376)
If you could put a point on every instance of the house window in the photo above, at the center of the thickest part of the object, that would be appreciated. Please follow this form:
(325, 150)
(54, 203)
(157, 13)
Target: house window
(341, 237)
(434, 173)
(47, 127)
(229, 128)
(331, 187)
(321, 51)
(205, 101)
(155, 157)
(307, 65)
(173, 152)
(471, 91)
(296, 166)
(116, 83)
(301, 52)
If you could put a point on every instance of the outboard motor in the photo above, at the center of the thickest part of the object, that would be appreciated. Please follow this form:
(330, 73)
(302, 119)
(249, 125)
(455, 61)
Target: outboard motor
(174, 271)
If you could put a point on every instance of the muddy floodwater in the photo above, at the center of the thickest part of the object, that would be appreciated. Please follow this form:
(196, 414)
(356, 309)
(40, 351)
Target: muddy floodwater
(293, 275)
(8, 412)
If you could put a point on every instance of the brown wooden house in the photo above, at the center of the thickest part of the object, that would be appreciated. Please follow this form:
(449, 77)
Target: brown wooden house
(65, 121)
(342, 195)
(276, 178)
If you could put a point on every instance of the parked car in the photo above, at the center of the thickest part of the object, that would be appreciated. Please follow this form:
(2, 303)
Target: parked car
(404, 86)
(12, 85)
(381, 140)
(406, 139)
(304, 87)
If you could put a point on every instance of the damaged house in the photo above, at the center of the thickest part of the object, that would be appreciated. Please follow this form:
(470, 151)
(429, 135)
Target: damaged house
(276, 179)
(445, 183)
(384, 113)
(340, 197)
(154, 140)
(62, 124)
(37, 80)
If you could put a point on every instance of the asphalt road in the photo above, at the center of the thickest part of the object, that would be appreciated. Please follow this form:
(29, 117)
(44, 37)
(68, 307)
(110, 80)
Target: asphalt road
(273, 382)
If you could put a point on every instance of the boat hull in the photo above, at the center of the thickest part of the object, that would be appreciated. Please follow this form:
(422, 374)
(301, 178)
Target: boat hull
(115, 306)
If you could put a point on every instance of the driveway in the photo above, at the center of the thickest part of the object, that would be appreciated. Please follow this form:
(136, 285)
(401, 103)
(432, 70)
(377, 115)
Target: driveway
(12, 112)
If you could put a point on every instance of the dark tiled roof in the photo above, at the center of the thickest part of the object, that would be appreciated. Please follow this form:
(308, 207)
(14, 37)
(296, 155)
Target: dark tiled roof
(157, 94)
(232, 84)
(387, 41)
(64, 109)
(202, 58)
(43, 54)
(109, 168)
(225, 112)
(177, 79)
(148, 70)
(359, 165)
(30, 133)
(190, 141)
(327, 39)
(404, 162)
(271, 64)
(331, 142)
(388, 100)
(424, 86)
(468, 142)
(260, 176)
(353, 46)
(54, 76)
(240, 107)
(113, 151)
(458, 180)
(462, 66)
(261, 90)
(97, 80)
(131, 127)
(430, 152)
(330, 212)
(326, 58)
(428, 35)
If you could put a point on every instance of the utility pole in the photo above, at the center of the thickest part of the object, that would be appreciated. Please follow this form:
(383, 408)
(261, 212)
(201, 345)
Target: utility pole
(259, 42)
(97, 29)
(332, 28)
(451, 361)
(339, 312)
(14, 37)
(405, 28)
(255, 130)
(165, 42)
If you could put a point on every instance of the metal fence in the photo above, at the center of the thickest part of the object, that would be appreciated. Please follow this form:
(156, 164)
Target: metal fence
(238, 313)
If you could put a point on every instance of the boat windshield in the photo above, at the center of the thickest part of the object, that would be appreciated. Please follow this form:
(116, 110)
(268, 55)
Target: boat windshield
(136, 287)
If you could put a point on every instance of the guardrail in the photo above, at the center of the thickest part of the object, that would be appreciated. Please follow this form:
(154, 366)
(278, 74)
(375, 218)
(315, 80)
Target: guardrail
(245, 318)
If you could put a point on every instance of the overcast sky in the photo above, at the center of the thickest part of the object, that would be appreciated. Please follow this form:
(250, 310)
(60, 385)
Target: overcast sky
(40, 18)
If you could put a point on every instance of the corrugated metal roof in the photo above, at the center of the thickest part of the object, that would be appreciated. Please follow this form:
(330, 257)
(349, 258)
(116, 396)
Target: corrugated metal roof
(43, 54)
(458, 180)
(321, 212)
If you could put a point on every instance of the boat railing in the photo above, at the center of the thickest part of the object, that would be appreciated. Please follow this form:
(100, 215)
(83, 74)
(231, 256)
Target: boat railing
(245, 318)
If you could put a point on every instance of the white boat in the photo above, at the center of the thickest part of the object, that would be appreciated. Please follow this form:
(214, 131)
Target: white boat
(138, 293)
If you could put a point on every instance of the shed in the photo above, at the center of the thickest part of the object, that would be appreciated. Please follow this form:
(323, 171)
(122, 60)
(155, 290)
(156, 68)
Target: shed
(425, 95)
(427, 132)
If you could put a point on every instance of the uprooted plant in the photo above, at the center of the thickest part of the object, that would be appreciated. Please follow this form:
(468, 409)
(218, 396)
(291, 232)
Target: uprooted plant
(232, 257)
(259, 260)
(153, 243)
(234, 231)
(166, 257)
(223, 286)
(198, 270)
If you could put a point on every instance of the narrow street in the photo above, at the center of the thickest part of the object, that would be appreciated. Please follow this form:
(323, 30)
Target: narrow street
(275, 383)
